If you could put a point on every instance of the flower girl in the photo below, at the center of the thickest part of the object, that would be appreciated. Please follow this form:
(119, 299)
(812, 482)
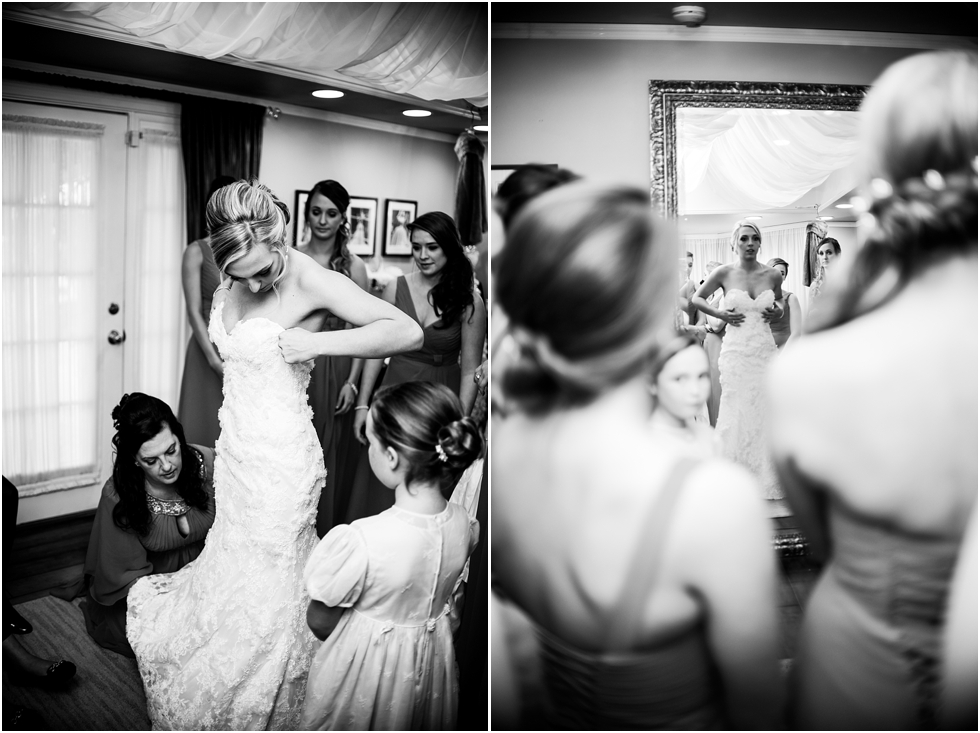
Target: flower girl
(681, 386)
(385, 589)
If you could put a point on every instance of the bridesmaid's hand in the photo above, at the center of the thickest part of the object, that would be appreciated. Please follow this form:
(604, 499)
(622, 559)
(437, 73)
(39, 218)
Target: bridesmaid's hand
(731, 316)
(772, 313)
(345, 400)
(360, 426)
(296, 345)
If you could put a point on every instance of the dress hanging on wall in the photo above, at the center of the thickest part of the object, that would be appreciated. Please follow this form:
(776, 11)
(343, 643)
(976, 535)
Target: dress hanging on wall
(471, 189)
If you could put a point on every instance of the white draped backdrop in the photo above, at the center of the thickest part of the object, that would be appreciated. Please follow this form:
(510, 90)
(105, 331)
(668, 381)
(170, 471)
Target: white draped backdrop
(434, 51)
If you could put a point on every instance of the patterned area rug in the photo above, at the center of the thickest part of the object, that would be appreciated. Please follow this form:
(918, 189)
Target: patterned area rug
(107, 692)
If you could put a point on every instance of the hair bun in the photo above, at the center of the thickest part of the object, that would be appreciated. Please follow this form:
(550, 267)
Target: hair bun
(117, 411)
(459, 443)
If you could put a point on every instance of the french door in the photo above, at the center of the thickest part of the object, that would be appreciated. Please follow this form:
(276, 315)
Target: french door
(64, 218)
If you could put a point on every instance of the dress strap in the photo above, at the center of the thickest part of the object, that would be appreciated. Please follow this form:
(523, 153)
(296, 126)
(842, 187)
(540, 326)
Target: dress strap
(645, 567)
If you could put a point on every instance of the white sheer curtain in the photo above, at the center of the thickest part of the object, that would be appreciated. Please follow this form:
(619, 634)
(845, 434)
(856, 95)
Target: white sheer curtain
(428, 50)
(50, 241)
(159, 337)
(742, 160)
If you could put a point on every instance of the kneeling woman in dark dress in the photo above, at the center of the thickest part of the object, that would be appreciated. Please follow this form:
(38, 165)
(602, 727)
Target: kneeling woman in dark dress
(153, 516)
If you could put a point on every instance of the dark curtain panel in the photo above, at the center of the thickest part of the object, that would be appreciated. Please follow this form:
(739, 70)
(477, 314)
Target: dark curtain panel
(471, 189)
(217, 138)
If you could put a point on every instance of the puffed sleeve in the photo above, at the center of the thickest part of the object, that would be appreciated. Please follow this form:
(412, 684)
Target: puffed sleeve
(115, 557)
(336, 571)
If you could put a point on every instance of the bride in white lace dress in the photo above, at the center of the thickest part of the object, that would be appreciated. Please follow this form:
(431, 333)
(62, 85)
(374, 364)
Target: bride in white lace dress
(223, 643)
(753, 292)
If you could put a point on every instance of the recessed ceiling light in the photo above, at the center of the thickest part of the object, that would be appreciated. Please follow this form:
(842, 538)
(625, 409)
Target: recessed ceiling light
(481, 128)
(845, 206)
(825, 218)
(416, 113)
(780, 142)
(328, 94)
(753, 218)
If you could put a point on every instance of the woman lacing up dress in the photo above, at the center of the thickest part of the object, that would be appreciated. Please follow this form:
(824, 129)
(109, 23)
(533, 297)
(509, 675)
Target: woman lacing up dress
(598, 535)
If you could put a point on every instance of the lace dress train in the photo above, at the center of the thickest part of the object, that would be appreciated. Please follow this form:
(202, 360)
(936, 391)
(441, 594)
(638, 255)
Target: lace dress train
(223, 643)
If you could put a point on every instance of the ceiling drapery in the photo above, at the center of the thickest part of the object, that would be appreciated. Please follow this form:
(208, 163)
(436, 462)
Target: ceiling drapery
(743, 160)
(433, 51)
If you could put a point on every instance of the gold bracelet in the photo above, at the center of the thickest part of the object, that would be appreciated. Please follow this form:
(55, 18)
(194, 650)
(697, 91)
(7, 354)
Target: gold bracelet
(363, 407)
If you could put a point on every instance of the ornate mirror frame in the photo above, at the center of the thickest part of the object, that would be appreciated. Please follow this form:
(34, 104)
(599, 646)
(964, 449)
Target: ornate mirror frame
(667, 96)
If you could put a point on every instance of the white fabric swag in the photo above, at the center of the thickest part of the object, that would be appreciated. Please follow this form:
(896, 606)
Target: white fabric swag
(434, 51)
(743, 160)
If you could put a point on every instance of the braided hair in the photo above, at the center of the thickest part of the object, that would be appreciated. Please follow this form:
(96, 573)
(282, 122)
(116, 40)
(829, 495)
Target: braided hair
(921, 171)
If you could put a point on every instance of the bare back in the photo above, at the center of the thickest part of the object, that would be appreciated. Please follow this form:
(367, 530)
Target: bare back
(882, 411)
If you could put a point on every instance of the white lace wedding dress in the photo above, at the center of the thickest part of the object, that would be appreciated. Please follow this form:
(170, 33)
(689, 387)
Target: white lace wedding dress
(746, 353)
(223, 643)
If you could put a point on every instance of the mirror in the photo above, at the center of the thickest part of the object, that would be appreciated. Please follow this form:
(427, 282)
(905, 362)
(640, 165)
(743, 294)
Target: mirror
(779, 152)
(722, 150)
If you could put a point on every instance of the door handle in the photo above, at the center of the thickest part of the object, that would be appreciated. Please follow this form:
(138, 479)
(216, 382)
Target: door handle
(116, 338)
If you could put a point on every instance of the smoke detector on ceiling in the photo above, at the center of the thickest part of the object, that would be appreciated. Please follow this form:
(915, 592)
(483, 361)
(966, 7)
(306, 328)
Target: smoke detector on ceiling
(690, 15)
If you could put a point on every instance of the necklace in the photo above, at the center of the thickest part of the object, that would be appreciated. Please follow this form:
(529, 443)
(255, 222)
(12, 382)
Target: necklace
(168, 507)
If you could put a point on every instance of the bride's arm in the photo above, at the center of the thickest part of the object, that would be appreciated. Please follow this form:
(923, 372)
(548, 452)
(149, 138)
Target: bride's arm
(709, 286)
(380, 329)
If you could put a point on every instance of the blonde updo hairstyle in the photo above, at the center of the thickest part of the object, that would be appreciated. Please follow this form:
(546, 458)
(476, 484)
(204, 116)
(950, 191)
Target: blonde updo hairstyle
(918, 133)
(243, 215)
(743, 223)
(587, 278)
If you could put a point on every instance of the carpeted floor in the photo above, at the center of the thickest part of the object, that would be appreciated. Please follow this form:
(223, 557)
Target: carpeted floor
(107, 692)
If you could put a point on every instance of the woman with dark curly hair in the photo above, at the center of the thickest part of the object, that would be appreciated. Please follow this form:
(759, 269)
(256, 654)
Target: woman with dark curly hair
(153, 516)
(442, 298)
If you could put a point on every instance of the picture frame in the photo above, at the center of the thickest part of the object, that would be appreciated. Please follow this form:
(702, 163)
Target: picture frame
(362, 221)
(299, 221)
(398, 213)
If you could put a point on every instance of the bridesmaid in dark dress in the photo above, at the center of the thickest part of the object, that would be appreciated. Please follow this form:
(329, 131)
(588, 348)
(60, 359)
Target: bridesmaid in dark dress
(200, 387)
(153, 517)
(333, 382)
(442, 298)
(788, 326)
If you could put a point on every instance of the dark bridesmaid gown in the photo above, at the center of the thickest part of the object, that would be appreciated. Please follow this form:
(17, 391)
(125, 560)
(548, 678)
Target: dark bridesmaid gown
(437, 361)
(200, 387)
(336, 433)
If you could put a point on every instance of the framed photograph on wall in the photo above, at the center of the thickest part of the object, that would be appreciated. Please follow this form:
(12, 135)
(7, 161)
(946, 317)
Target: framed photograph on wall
(362, 220)
(299, 221)
(398, 213)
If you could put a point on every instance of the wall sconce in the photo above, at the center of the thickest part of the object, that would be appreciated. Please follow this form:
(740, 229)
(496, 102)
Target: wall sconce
(273, 112)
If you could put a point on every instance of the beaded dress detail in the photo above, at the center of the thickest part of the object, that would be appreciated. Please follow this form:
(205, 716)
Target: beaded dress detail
(223, 643)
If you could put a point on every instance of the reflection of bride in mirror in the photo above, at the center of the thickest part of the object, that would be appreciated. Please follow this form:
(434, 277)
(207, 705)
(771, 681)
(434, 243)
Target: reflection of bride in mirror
(752, 297)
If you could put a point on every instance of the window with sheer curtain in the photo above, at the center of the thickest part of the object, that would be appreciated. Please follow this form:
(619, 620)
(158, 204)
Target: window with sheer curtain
(50, 188)
(52, 203)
